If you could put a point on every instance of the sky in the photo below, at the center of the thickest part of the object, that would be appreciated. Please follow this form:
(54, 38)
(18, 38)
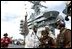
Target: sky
(13, 11)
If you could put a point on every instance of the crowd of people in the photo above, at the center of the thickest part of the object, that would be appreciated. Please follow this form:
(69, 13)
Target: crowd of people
(63, 39)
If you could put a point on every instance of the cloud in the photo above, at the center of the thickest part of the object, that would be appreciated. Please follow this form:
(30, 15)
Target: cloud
(11, 14)
(12, 28)
(55, 5)
(51, 4)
